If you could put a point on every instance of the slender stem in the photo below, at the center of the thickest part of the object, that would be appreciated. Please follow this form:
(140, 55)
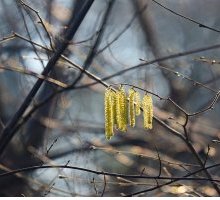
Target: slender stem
(186, 177)
(187, 18)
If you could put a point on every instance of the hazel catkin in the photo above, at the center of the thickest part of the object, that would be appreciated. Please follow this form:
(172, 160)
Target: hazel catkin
(138, 104)
(147, 105)
(131, 95)
(108, 114)
(121, 109)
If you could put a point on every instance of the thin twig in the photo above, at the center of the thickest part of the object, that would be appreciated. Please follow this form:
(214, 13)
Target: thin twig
(186, 177)
(36, 75)
(41, 21)
(187, 18)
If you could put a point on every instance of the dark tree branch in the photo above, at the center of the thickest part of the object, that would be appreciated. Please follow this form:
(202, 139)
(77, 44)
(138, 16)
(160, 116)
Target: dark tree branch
(7, 134)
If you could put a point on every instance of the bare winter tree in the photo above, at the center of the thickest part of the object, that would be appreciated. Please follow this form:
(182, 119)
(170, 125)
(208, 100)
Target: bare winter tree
(57, 60)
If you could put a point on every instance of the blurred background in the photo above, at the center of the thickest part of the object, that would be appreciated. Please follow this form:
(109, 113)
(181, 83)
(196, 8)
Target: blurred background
(69, 129)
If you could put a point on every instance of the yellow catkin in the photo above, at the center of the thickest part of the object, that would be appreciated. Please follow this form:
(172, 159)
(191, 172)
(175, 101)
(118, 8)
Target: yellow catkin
(138, 104)
(114, 102)
(121, 109)
(147, 104)
(108, 114)
(131, 95)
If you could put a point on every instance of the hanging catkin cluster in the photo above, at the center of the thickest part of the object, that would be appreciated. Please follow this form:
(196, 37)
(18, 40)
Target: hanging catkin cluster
(121, 110)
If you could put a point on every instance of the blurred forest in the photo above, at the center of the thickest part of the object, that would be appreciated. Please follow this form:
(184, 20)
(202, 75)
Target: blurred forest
(57, 57)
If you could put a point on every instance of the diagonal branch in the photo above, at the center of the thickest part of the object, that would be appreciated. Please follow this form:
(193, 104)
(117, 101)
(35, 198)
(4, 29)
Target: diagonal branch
(7, 134)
